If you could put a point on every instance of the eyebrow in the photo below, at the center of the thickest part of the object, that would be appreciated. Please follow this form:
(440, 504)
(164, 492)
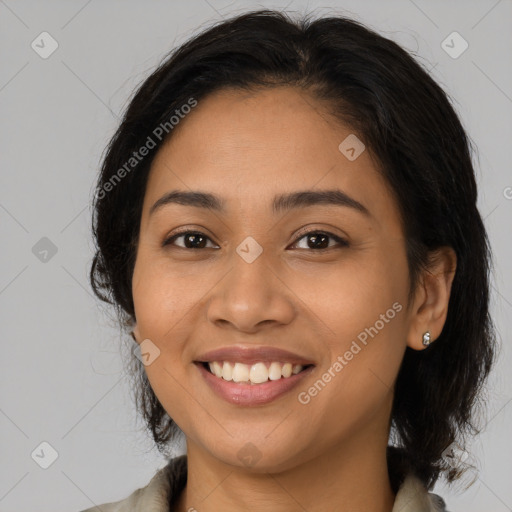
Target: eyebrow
(281, 202)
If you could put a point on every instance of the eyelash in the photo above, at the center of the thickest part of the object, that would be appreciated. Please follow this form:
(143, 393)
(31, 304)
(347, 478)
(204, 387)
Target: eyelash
(342, 242)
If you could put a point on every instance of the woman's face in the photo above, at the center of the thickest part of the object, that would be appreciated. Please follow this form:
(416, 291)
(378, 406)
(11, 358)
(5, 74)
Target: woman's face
(255, 281)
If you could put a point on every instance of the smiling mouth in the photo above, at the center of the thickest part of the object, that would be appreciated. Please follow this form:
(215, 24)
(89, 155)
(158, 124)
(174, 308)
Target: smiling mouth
(253, 374)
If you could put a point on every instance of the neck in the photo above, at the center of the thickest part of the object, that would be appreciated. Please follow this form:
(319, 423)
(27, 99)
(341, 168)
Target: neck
(351, 477)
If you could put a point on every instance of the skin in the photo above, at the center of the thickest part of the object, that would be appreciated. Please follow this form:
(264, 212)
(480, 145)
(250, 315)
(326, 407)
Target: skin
(328, 454)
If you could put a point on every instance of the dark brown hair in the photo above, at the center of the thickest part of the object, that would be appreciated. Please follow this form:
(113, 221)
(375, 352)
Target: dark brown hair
(407, 122)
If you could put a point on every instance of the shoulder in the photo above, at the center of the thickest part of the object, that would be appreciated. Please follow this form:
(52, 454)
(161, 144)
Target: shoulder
(414, 497)
(156, 495)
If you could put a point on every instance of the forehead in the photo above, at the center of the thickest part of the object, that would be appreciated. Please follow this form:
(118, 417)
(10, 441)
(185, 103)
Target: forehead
(247, 146)
(261, 125)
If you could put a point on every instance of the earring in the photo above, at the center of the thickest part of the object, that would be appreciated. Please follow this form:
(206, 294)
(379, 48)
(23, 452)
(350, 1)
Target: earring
(426, 338)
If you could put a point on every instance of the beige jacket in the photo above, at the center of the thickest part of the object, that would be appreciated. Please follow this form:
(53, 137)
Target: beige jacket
(169, 481)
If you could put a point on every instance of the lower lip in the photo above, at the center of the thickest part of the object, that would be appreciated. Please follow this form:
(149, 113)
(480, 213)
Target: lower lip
(251, 394)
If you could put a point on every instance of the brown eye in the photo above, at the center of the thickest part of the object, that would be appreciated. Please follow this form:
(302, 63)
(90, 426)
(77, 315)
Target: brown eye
(319, 240)
(191, 240)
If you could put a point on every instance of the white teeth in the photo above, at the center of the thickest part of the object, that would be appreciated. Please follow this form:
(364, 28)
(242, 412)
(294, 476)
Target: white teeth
(217, 368)
(274, 372)
(287, 370)
(256, 373)
(240, 372)
(227, 371)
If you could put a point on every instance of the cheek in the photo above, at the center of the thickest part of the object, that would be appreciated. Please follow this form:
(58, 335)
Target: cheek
(161, 314)
(348, 295)
(161, 297)
(359, 312)
(161, 304)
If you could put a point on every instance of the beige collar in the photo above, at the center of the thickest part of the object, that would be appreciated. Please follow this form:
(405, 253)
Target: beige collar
(170, 480)
(413, 497)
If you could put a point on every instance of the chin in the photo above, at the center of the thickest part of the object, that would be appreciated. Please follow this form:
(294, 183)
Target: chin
(257, 457)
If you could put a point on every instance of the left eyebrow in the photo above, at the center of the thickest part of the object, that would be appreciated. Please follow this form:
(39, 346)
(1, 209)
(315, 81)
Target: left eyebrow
(281, 202)
(334, 197)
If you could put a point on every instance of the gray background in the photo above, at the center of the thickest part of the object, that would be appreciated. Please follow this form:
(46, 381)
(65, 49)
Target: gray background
(62, 378)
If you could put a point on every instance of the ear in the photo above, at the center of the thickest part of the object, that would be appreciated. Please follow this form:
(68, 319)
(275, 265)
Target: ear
(430, 305)
(136, 334)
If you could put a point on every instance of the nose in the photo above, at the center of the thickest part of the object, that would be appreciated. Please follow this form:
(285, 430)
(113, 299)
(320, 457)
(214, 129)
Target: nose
(251, 295)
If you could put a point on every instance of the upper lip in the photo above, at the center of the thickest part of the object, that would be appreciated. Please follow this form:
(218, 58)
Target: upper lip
(251, 355)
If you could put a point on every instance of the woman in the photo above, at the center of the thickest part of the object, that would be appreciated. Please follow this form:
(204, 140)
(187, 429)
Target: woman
(286, 221)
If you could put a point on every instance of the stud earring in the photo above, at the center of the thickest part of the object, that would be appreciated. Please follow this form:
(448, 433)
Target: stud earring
(426, 338)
